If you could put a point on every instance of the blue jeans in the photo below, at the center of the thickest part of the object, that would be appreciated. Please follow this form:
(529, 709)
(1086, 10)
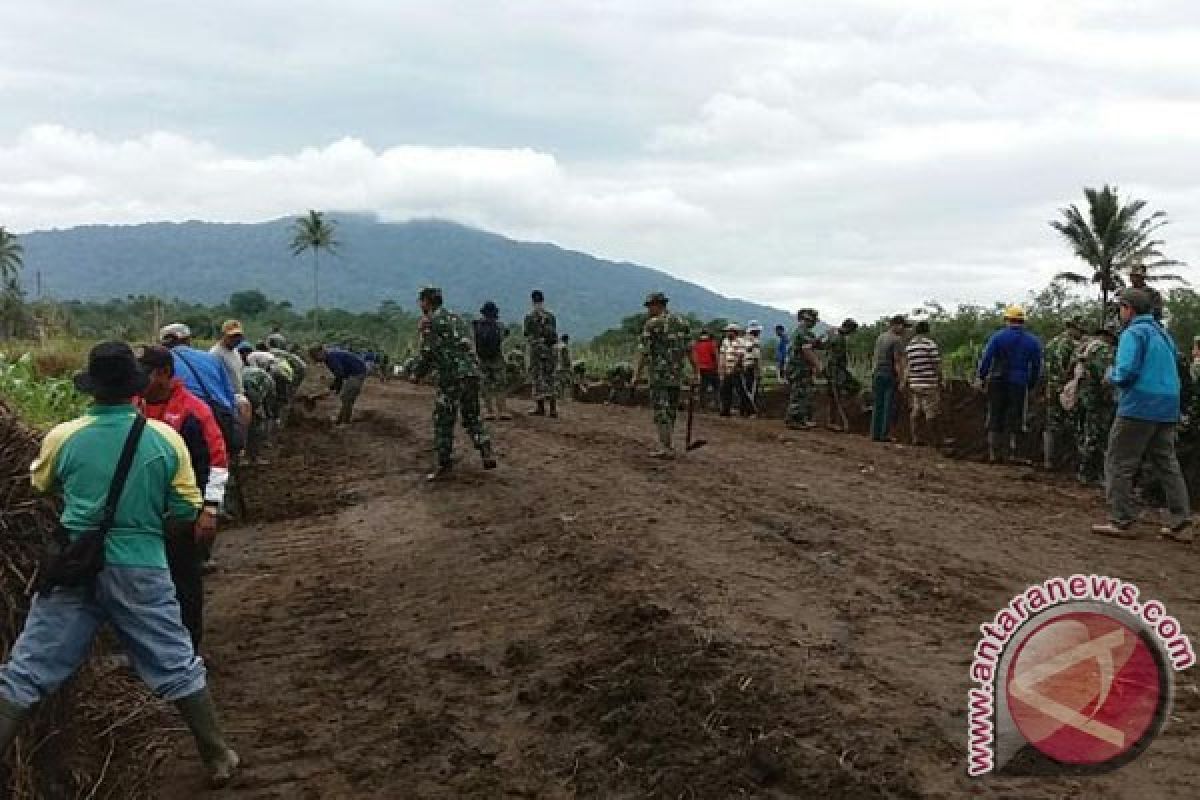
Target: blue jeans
(883, 406)
(58, 633)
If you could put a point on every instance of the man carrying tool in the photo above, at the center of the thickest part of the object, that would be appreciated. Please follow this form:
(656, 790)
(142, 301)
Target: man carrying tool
(802, 366)
(447, 347)
(1011, 366)
(751, 367)
(839, 380)
(349, 374)
(666, 344)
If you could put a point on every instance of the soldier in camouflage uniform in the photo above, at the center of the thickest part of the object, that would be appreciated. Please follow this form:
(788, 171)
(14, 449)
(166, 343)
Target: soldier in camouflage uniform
(260, 391)
(840, 381)
(666, 344)
(446, 347)
(802, 364)
(541, 335)
(1060, 363)
(1097, 403)
(619, 376)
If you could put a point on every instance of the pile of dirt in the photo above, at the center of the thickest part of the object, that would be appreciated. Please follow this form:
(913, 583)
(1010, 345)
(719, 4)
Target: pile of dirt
(100, 736)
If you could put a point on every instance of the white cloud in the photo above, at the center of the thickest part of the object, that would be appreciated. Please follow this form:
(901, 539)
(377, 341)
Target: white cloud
(862, 156)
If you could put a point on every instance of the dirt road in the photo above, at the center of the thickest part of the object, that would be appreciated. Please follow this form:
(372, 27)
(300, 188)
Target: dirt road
(773, 616)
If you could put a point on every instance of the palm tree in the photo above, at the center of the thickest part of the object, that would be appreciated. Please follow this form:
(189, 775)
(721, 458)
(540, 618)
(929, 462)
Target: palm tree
(313, 232)
(1111, 239)
(12, 255)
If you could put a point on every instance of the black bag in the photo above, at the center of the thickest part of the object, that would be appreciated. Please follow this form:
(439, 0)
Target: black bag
(489, 338)
(72, 564)
(227, 420)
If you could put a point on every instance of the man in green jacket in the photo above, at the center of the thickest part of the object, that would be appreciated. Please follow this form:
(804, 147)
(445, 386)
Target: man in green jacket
(133, 592)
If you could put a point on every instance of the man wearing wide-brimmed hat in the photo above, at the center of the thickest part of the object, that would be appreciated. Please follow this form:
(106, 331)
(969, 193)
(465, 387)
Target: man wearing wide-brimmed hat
(665, 346)
(133, 589)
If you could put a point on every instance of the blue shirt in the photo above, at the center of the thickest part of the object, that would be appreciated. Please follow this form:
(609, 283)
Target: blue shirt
(1146, 372)
(781, 351)
(204, 375)
(343, 364)
(1016, 356)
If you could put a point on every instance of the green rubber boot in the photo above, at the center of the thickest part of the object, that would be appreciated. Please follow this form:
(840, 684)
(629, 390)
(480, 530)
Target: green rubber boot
(219, 758)
(11, 717)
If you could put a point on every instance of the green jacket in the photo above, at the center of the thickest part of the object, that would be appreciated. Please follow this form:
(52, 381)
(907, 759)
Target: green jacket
(78, 459)
(447, 347)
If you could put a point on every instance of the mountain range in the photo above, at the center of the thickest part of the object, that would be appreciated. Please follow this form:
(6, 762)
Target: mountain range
(377, 261)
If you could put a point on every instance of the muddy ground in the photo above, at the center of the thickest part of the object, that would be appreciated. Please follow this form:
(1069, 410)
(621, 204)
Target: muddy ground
(779, 615)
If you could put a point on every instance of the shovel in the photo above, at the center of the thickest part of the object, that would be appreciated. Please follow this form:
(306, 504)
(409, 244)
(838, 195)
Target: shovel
(697, 443)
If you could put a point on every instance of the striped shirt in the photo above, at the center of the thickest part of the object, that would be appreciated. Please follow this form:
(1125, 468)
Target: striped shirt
(924, 362)
(753, 352)
(732, 352)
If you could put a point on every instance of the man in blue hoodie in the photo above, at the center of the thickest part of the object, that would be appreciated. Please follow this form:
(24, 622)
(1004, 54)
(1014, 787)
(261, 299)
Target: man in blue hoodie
(1011, 366)
(1147, 379)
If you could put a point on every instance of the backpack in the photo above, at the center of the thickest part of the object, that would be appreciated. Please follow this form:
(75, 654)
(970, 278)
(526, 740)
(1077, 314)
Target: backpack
(489, 338)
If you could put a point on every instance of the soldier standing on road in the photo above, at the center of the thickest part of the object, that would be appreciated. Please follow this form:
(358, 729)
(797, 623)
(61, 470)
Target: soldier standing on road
(839, 379)
(541, 335)
(446, 347)
(1060, 361)
(802, 365)
(1097, 403)
(666, 344)
(489, 346)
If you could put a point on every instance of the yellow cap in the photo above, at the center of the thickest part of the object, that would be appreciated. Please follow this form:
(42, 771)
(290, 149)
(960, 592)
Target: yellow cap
(1014, 312)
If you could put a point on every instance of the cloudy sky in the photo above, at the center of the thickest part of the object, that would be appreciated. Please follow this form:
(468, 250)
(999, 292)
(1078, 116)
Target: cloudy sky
(860, 156)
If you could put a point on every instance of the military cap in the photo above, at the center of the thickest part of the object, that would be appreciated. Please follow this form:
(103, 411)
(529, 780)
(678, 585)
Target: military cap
(656, 298)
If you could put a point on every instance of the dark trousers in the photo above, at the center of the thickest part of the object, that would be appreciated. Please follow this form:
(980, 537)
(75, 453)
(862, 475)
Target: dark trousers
(1006, 407)
(749, 397)
(731, 386)
(883, 406)
(710, 384)
(1130, 442)
(185, 557)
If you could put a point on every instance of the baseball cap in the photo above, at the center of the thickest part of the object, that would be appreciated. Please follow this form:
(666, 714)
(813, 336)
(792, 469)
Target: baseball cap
(656, 298)
(176, 330)
(231, 326)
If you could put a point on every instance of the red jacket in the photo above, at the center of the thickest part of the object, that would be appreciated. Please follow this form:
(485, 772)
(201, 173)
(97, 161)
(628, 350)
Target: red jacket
(705, 353)
(193, 420)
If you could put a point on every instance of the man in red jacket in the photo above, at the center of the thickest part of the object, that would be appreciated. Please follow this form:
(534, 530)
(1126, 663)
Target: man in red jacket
(167, 400)
(705, 354)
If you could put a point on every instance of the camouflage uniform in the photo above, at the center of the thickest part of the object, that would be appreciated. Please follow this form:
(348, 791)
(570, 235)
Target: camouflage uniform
(541, 334)
(260, 391)
(665, 345)
(1060, 360)
(299, 368)
(1097, 407)
(446, 347)
(618, 377)
(800, 378)
(562, 361)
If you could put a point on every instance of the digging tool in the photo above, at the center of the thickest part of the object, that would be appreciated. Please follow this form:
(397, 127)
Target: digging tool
(835, 394)
(691, 411)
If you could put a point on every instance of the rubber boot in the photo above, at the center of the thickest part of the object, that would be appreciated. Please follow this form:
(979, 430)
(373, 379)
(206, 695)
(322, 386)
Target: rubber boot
(11, 717)
(1048, 450)
(219, 758)
(554, 408)
(540, 410)
(666, 448)
(489, 458)
(994, 454)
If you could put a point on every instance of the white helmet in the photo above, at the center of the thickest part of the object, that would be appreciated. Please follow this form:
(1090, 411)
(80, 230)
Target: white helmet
(753, 326)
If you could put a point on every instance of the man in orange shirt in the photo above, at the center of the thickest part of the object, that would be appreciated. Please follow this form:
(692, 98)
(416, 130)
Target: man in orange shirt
(704, 352)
